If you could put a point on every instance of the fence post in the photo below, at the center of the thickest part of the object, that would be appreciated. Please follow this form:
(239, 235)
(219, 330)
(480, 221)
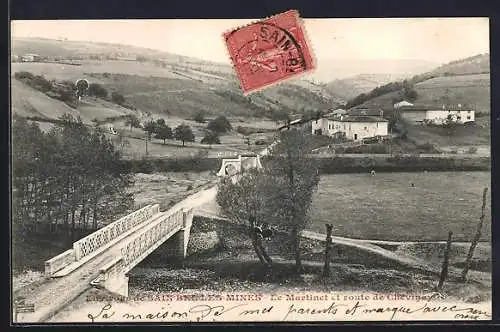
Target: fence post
(475, 240)
(328, 250)
(444, 269)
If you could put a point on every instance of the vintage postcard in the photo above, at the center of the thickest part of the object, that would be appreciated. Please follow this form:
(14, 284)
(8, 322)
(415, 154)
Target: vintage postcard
(275, 169)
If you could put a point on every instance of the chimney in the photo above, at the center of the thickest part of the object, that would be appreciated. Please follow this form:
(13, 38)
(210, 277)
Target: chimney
(381, 113)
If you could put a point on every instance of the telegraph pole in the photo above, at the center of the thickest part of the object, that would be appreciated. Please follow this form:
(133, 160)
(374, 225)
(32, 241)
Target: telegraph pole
(146, 146)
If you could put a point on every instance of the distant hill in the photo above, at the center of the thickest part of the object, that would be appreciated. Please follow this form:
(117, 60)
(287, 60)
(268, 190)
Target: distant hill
(332, 69)
(163, 83)
(350, 87)
(465, 81)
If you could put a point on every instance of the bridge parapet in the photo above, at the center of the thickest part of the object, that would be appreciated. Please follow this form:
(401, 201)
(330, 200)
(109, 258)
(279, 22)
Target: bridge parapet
(58, 262)
(153, 236)
(103, 236)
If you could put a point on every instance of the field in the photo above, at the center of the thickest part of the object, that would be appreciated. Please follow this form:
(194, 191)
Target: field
(167, 189)
(386, 207)
(477, 134)
(473, 90)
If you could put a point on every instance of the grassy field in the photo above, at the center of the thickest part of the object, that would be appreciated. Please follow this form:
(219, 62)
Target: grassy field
(167, 189)
(464, 136)
(386, 207)
(467, 89)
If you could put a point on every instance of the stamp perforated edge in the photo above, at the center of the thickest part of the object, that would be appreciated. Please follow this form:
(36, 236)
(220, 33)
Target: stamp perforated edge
(307, 41)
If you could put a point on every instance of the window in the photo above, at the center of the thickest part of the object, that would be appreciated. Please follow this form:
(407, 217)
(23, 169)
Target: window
(468, 117)
(365, 127)
(459, 118)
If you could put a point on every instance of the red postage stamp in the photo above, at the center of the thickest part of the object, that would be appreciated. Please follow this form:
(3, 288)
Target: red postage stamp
(269, 51)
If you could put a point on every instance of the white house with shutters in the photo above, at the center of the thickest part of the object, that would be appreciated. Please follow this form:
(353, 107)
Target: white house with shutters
(351, 127)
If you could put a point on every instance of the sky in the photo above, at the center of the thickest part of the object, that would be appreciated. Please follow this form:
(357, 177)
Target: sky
(432, 39)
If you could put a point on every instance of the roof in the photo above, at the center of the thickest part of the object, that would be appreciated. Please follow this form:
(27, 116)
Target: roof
(434, 107)
(365, 111)
(362, 119)
(293, 123)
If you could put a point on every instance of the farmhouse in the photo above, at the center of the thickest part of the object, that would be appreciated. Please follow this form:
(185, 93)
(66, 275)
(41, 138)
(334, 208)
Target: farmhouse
(353, 127)
(435, 115)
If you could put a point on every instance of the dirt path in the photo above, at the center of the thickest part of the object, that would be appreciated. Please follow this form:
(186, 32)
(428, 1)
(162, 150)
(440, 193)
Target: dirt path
(404, 260)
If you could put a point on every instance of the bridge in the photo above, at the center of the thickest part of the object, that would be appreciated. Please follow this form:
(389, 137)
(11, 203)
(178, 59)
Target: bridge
(103, 258)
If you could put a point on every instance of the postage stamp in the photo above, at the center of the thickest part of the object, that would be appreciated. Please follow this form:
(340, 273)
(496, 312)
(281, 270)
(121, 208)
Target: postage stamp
(147, 188)
(269, 51)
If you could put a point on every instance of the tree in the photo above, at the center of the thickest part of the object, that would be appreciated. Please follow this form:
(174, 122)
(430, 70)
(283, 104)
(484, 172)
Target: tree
(200, 116)
(450, 124)
(64, 180)
(164, 132)
(220, 125)
(133, 121)
(210, 137)
(245, 202)
(296, 177)
(160, 122)
(150, 128)
(184, 133)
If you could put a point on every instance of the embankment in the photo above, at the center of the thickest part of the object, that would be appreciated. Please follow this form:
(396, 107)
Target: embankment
(328, 165)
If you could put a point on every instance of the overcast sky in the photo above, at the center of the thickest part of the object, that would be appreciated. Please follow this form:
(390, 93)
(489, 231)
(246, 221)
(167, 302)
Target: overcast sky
(433, 39)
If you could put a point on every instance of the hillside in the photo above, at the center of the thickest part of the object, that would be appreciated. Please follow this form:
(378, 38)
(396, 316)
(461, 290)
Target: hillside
(167, 84)
(350, 87)
(465, 81)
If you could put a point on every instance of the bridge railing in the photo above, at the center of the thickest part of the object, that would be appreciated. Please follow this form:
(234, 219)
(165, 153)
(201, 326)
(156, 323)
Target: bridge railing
(103, 236)
(150, 239)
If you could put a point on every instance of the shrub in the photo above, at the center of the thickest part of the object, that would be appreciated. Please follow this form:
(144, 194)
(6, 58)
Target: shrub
(210, 138)
(97, 90)
(199, 117)
(24, 75)
(41, 83)
(117, 98)
(220, 125)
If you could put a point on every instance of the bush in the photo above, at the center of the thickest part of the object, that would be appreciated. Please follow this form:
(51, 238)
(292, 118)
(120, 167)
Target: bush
(22, 75)
(220, 125)
(41, 83)
(199, 117)
(97, 90)
(117, 98)
(210, 138)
